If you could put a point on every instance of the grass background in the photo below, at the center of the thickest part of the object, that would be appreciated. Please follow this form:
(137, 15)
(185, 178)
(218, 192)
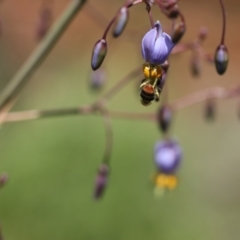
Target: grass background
(52, 163)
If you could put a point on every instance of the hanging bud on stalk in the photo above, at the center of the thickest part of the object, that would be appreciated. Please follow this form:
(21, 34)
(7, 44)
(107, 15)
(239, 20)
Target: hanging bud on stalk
(120, 22)
(99, 53)
(164, 118)
(178, 31)
(221, 59)
(101, 181)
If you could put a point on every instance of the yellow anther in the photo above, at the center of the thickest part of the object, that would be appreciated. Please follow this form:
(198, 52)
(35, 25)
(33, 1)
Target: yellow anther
(172, 182)
(152, 71)
(146, 70)
(166, 181)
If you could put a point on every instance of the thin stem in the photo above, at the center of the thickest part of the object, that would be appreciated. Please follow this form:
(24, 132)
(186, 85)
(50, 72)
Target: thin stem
(17, 83)
(149, 10)
(194, 98)
(112, 91)
(109, 135)
(224, 22)
(40, 114)
(176, 105)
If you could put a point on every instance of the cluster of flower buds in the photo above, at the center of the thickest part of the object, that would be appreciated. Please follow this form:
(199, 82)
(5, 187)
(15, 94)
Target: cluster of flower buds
(100, 48)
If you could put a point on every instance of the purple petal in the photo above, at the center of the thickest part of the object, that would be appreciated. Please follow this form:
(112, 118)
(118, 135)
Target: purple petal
(148, 43)
(156, 45)
(163, 47)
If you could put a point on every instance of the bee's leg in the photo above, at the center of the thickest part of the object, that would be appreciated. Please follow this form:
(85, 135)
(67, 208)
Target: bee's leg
(157, 94)
(144, 83)
(155, 83)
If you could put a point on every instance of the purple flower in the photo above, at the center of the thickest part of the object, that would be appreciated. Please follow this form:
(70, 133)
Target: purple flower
(168, 155)
(156, 45)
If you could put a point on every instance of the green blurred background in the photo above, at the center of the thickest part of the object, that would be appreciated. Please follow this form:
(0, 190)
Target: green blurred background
(52, 162)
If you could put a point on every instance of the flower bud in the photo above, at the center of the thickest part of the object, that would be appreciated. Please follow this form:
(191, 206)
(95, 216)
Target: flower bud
(98, 54)
(172, 12)
(168, 155)
(120, 22)
(221, 59)
(101, 181)
(178, 31)
(164, 118)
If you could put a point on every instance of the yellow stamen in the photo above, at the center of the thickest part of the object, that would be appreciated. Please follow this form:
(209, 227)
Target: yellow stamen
(166, 181)
(152, 71)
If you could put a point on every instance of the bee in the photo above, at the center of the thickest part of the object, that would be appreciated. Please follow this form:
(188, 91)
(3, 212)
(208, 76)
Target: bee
(150, 87)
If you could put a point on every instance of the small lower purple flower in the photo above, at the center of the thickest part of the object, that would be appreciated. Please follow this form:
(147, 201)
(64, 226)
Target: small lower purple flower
(167, 156)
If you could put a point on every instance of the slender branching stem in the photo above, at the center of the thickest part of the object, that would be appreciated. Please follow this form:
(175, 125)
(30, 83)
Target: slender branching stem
(119, 85)
(22, 76)
(176, 105)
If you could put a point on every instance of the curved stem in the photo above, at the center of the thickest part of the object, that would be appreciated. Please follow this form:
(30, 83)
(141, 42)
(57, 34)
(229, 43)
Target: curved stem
(224, 22)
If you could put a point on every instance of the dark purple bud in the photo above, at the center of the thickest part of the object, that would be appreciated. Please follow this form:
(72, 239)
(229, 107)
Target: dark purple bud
(172, 12)
(210, 109)
(164, 118)
(221, 59)
(3, 179)
(120, 22)
(97, 79)
(101, 181)
(178, 31)
(98, 54)
(168, 155)
(195, 65)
